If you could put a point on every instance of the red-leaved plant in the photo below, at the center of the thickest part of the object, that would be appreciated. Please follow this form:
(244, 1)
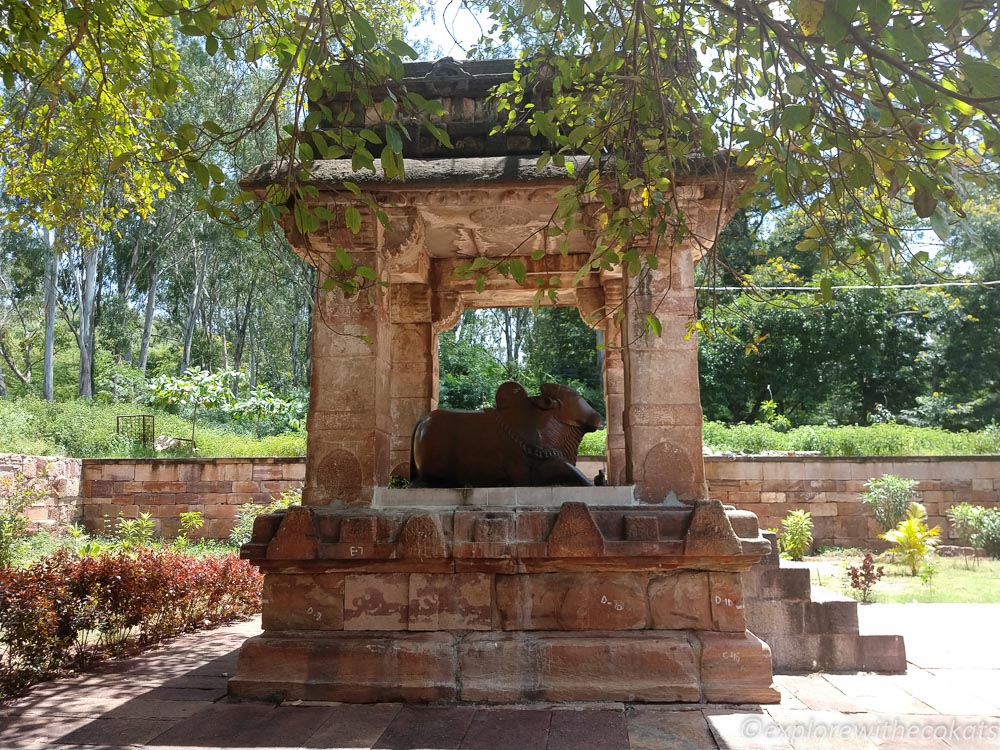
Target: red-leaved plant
(864, 577)
(63, 611)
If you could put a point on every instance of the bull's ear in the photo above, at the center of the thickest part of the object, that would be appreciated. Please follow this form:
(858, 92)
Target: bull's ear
(556, 391)
(510, 394)
(546, 402)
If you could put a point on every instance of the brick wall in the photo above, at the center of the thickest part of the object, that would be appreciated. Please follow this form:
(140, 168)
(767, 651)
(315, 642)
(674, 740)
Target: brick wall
(216, 487)
(769, 486)
(59, 476)
(830, 488)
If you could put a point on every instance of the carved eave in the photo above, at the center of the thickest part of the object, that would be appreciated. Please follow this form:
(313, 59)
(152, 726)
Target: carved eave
(484, 171)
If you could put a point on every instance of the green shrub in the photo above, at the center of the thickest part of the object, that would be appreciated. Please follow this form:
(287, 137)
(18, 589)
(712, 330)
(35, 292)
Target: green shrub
(17, 494)
(132, 533)
(966, 519)
(987, 535)
(796, 534)
(594, 443)
(243, 527)
(888, 497)
(911, 539)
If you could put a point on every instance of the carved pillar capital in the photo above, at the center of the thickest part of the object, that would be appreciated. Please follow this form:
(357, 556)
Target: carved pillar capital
(402, 242)
(446, 309)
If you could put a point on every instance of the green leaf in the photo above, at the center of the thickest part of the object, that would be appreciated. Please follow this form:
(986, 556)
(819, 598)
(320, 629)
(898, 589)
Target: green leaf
(796, 116)
(576, 10)
(305, 220)
(216, 173)
(393, 139)
(365, 31)
(654, 324)
(517, 271)
(352, 218)
(344, 259)
(837, 19)
(367, 273)
(940, 226)
(826, 289)
(946, 11)
(906, 40)
(73, 16)
(982, 77)
(797, 84)
(879, 12)
(401, 49)
(439, 134)
(119, 161)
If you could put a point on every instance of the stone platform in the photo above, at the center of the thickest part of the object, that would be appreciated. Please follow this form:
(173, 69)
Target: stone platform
(505, 605)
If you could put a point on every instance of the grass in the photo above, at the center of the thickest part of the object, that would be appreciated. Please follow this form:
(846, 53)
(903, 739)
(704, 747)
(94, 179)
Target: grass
(955, 580)
(87, 430)
(876, 440)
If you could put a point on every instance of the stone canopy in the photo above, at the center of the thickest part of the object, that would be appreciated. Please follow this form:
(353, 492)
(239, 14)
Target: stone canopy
(468, 203)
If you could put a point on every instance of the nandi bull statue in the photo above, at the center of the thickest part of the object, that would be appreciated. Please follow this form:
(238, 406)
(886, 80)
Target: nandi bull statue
(525, 441)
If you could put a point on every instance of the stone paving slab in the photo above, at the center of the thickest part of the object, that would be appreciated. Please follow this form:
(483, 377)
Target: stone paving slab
(594, 728)
(174, 699)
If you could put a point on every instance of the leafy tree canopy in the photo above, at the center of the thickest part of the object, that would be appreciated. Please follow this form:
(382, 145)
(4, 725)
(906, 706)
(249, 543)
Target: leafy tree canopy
(847, 109)
(844, 108)
(86, 132)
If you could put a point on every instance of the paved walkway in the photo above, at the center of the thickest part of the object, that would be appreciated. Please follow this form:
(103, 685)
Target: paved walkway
(175, 697)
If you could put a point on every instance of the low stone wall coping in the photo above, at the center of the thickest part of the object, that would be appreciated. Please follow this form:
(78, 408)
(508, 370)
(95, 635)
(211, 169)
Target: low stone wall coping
(849, 459)
(198, 460)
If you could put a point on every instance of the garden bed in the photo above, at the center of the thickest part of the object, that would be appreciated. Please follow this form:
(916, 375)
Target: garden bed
(954, 579)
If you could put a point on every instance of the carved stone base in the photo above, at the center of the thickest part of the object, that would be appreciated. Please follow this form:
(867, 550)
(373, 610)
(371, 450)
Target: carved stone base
(506, 605)
(364, 667)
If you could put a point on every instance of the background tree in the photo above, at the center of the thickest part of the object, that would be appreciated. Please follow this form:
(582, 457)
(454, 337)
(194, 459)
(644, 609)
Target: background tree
(850, 111)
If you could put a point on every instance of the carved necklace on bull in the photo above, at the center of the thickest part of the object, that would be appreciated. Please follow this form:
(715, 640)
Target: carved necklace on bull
(532, 451)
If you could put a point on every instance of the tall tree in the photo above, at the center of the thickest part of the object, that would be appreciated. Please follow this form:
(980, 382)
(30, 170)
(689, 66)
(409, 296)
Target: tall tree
(51, 295)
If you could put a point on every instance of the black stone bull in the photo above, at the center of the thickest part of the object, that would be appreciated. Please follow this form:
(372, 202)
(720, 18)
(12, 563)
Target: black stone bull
(523, 442)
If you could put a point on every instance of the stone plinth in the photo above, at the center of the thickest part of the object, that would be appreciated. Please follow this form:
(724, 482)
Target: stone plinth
(545, 497)
(506, 604)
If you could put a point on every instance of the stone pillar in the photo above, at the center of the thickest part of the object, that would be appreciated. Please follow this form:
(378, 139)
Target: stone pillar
(349, 422)
(414, 368)
(662, 414)
(614, 385)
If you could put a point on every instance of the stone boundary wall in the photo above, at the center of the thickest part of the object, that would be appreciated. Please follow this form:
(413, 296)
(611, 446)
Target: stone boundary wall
(60, 476)
(769, 486)
(830, 488)
(165, 488)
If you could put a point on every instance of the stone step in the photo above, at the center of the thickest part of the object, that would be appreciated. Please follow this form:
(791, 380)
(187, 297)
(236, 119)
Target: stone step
(837, 652)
